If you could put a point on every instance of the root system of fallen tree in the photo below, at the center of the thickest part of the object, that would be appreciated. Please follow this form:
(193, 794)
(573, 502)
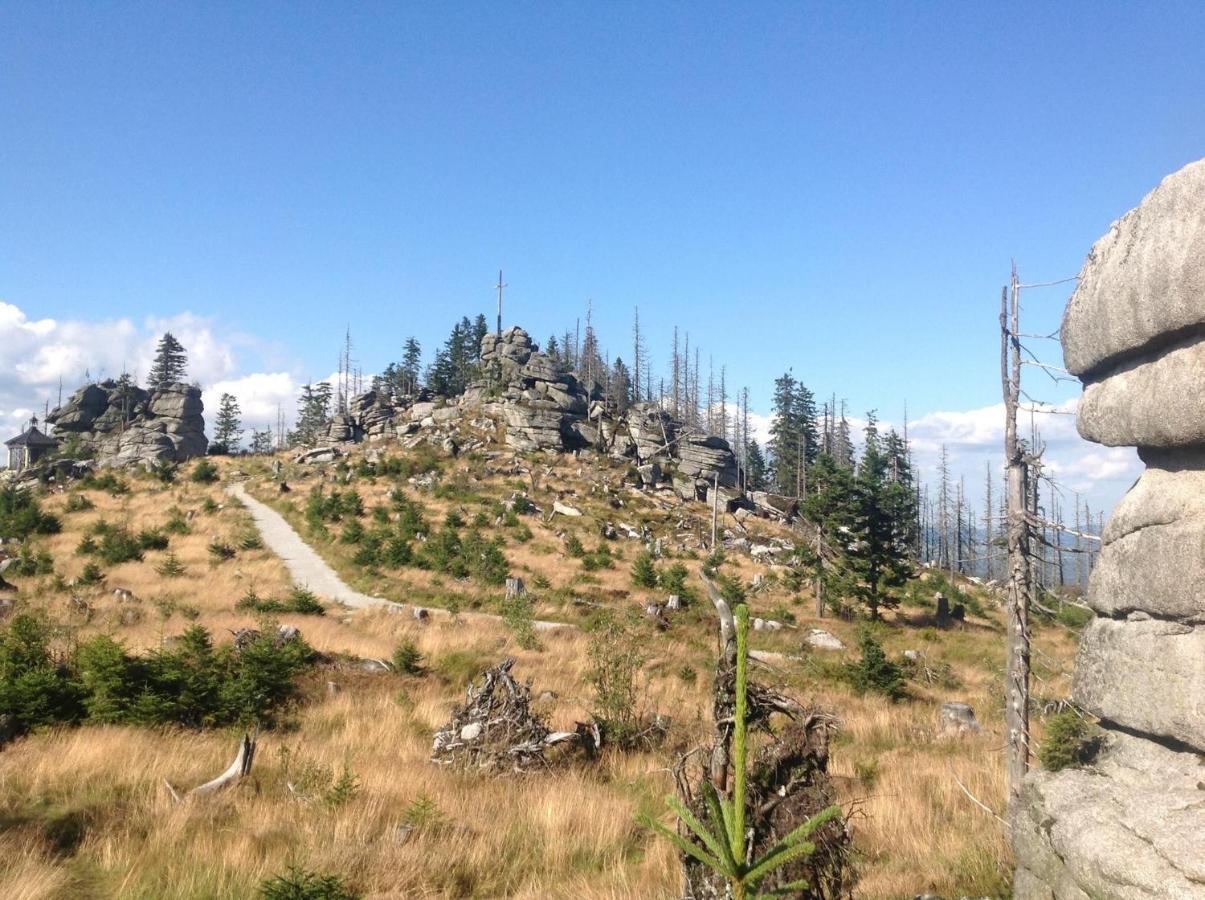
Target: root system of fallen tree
(495, 730)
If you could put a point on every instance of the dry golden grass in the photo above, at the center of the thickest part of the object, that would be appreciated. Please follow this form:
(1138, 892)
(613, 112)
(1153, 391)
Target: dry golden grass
(85, 813)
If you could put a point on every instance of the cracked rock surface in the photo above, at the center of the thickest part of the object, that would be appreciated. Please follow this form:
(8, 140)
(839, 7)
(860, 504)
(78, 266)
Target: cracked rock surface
(1132, 823)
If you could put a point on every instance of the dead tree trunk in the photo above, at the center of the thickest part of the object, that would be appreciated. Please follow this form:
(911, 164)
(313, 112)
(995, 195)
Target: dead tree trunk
(1019, 563)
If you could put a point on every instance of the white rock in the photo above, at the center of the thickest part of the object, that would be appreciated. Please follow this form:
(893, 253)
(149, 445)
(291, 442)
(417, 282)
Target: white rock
(825, 640)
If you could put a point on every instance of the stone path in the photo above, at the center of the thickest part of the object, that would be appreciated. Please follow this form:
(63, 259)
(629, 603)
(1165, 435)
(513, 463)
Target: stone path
(311, 571)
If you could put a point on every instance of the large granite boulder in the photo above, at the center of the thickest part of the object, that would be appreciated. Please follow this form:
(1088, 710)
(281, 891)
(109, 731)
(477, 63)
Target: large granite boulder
(1154, 549)
(1147, 675)
(1132, 823)
(124, 425)
(1144, 281)
(1153, 399)
(1130, 826)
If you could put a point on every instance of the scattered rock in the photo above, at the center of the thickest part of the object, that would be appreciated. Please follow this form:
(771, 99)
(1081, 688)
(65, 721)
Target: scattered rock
(318, 455)
(824, 640)
(956, 718)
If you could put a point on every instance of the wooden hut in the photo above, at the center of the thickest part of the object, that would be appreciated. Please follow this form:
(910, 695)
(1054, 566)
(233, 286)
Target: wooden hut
(28, 447)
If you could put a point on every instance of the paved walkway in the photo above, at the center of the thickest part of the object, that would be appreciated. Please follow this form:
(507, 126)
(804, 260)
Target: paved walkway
(311, 571)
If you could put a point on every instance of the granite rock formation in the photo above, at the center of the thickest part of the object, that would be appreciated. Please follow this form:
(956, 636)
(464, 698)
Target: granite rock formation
(1132, 824)
(539, 408)
(122, 425)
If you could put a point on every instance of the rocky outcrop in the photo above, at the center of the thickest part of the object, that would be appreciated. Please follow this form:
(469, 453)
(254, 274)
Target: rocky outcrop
(1133, 823)
(540, 408)
(122, 425)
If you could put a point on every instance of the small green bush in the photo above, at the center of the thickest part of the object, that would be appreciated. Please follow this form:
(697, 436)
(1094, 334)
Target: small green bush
(91, 576)
(152, 539)
(176, 521)
(106, 481)
(518, 615)
(78, 503)
(300, 884)
(874, 671)
(300, 601)
(204, 472)
(573, 546)
(21, 515)
(30, 562)
(1069, 741)
(407, 659)
(171, 567)
(220, 551)
(644, 572)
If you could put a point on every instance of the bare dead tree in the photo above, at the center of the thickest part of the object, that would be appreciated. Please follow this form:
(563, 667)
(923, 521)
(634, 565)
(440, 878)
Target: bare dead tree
(1020, 587)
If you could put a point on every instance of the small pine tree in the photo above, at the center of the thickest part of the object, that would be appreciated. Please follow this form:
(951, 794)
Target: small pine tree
(644, 573)
(228, 429)
(171, 362)
(720, 839)
(261, 441)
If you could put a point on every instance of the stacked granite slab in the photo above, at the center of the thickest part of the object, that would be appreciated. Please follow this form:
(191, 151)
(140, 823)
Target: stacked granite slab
(1132, 824)
(124, 425)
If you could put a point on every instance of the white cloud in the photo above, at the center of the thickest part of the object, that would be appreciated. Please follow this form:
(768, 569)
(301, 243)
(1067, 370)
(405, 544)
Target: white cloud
(260, 396)
(37, 354)
(974, 440)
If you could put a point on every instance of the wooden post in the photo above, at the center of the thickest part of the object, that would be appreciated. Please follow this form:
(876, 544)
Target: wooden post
(1019, 565)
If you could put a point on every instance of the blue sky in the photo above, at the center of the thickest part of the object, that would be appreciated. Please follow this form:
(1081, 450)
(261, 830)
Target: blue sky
(837, 188)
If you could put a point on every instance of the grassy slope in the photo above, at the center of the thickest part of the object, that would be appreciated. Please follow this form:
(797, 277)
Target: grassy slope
(85, 813)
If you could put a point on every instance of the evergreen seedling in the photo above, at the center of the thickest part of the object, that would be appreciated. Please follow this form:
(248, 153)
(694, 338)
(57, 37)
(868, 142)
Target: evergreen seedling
(722, 832)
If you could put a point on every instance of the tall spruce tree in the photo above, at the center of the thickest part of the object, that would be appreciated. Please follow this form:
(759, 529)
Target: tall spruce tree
(784, 435)
(479, 331)
(621, 385)
(313, 410)
(755, 467)
(878, 555)
(171, 362)
(228, 426)
(411, 368)
(455, 364)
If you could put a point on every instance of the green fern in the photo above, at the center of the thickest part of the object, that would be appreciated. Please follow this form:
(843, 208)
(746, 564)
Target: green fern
(723, 833)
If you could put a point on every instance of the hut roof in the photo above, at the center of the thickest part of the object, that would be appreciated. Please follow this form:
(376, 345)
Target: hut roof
(31, 437)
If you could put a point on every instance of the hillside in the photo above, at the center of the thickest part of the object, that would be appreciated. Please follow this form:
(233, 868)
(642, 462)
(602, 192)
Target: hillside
(87, 813)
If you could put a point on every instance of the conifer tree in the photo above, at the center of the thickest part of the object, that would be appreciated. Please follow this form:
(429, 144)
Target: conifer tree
(411, 368)
(228, 427)
(313, 410)
(843, 445)
(878, 558)
(755, 467)
(621, 386)
(784, 435)
(552, 349)
(261, 441)
(171, 361)
(590, 366)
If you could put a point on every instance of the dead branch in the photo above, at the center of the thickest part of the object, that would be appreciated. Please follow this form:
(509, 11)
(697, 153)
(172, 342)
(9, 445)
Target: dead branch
(237, 770)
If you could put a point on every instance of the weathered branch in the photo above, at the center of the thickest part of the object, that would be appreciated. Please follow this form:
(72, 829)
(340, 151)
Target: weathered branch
(237, 770)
